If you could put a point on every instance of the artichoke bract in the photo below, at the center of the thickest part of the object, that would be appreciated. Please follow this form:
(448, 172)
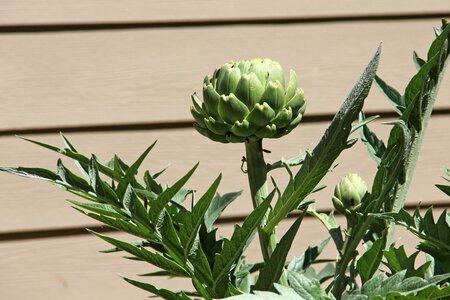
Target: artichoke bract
(248, 100)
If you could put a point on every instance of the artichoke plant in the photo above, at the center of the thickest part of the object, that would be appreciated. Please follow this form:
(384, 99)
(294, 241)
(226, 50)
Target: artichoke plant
(248, 100)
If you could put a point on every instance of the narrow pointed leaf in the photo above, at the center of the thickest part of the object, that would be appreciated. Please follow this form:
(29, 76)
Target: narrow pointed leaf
(84, 168)
(192, 221)
(391, 94)
(363, 122)
(164, 198)
(122, 225)
(99, 208)
(70, 178)
(418, 62)
(155, 259)
(101, 188)
(35, 173)
(131, 172)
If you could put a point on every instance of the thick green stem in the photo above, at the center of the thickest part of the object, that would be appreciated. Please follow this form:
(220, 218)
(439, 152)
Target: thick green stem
(257, 178)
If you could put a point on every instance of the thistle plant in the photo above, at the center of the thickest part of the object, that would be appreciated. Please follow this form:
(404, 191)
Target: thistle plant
(246, 102)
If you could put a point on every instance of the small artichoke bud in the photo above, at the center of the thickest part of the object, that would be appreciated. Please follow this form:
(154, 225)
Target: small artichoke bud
(349, 192)
(248, 100)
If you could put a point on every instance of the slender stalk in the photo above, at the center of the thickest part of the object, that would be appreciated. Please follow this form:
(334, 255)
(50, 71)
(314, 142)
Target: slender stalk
(257, 178)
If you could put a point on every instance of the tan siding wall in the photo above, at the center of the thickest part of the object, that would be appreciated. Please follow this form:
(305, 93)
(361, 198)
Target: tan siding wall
(85, 11)
(108, 77)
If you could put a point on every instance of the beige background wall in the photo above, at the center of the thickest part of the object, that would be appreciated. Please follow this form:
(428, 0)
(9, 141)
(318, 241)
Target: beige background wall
(115, 76)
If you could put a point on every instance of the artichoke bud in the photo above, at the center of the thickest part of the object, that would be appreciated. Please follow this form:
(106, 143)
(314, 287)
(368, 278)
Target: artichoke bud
(231, 109)
(216, 127)
(249, 89)
(274, 95)
(350, 191)
(247, 100)
(267, 132)
(242, 129)
(283, 118)
(261, 114)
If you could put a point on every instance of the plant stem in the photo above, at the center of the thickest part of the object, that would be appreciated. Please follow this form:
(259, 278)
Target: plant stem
(257, 178)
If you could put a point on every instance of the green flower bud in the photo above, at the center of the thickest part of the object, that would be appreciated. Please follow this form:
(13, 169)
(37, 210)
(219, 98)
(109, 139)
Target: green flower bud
(350, 191)
(248, 100)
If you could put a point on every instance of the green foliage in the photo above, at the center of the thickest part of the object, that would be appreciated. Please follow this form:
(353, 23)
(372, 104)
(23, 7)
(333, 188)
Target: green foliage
(308, 289)
(400, 287)
(397, 260)
(174, 238)
(300, 264)
(435, 236)
(285, 293)
(301, 288)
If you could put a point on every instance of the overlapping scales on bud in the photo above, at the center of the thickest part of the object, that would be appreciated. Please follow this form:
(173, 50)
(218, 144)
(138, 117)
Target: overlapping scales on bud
(248, 100)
